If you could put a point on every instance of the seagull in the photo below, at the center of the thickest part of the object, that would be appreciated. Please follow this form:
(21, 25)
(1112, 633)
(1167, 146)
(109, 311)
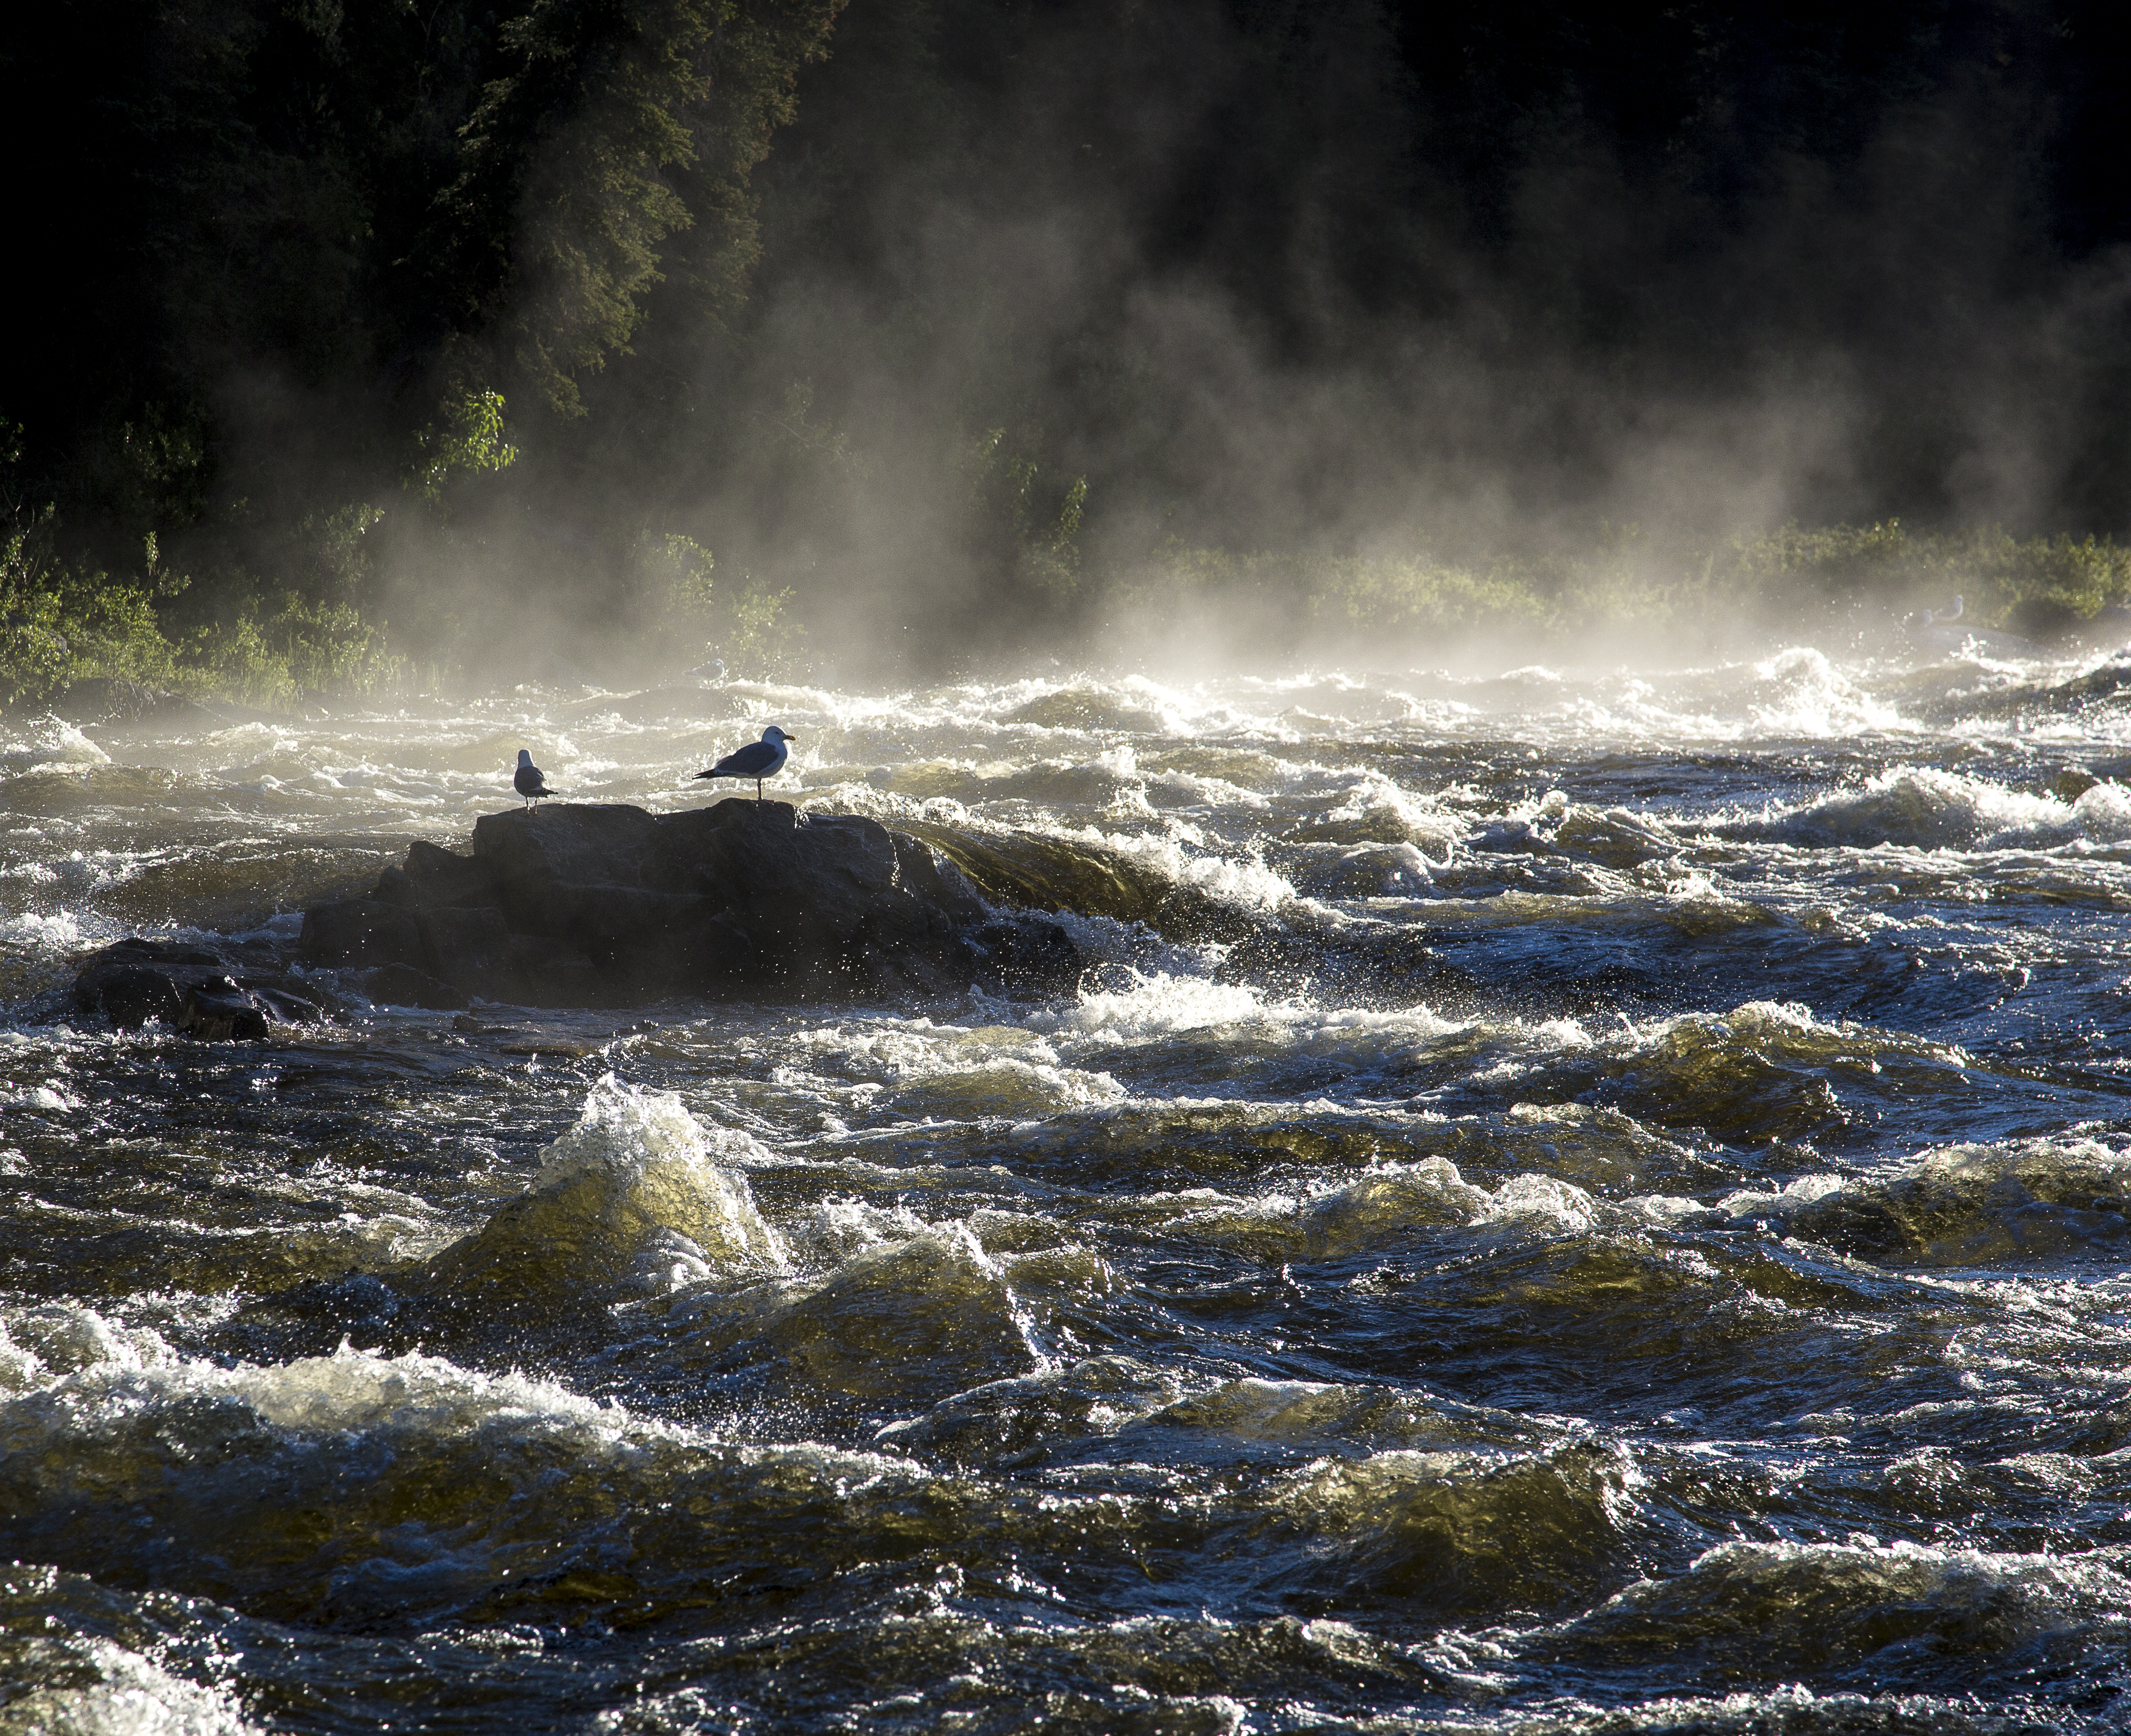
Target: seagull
(529, 781)
(758, 760)
(1937, 617)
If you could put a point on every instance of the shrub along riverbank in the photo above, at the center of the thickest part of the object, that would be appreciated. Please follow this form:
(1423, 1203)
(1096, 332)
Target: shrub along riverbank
(1843, 580)
(260, 645)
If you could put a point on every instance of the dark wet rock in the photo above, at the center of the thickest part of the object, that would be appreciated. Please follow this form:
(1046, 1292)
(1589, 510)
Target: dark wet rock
(1037, 956)
(287, 1006)
(571, 844)
(222, 1010)
(133, 994)
(1058, 874)
(402, 985)
(594, 905)
(360, 932)
(193, 990)
(442, 877)
(395, 886)
(2073, 783)
(472, 949)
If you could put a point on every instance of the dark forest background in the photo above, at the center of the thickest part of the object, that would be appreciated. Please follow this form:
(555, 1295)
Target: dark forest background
(469, 337)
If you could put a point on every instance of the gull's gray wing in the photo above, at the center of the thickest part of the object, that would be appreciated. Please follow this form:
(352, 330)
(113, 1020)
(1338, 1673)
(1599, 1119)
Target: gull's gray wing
(754, 760)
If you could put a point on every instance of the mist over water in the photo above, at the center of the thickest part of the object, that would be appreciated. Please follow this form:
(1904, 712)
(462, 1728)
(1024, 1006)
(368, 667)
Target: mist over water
(1567, 1198)
(1584, 1184)
(968, 334)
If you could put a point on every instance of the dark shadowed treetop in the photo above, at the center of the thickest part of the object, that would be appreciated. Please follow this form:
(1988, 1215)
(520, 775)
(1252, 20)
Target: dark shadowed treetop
(957, 299)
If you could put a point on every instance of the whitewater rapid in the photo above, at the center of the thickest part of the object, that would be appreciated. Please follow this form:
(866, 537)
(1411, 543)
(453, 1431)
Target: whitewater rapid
(1563, 1200)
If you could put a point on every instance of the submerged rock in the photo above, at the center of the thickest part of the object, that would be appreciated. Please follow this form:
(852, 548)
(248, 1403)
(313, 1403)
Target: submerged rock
(192, 990)
(636, 1185)
(587, 905)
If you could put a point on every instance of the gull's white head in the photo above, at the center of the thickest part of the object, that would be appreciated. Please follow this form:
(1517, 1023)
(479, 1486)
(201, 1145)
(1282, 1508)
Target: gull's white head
(525, 756)
(773, 735)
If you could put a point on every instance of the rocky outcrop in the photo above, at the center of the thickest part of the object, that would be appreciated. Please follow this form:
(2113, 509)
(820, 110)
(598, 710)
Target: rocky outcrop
(194, 990)
(583, 905)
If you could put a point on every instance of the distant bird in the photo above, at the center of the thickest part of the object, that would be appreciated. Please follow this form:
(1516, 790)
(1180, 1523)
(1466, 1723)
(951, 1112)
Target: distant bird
(713, 670)
(1937, 617)
(529, 781)
(758, 760)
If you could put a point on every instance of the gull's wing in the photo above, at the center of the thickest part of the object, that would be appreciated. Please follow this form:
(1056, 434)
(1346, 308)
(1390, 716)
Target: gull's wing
(754, 760)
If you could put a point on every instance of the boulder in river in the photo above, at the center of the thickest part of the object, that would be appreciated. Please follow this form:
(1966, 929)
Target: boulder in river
(190, 989)
(607, 905)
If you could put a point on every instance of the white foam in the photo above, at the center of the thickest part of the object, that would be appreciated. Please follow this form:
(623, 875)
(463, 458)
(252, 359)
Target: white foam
(135, 1697)
(2104, 813)
(1799, 691)
(52, 1339)
(1245, 882)
(53, 742)
(1542, 1200)
(1159, 1004)
(653, 1167)
(626, 1132)
(1421, 819)
(1804, 1191)
(1924, 808)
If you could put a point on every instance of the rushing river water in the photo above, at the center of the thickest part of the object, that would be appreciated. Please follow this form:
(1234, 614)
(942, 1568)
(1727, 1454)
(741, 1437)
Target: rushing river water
(1587, 1203)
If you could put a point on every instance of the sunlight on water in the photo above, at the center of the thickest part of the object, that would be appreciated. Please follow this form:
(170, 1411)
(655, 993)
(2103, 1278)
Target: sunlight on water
(1561, 1200)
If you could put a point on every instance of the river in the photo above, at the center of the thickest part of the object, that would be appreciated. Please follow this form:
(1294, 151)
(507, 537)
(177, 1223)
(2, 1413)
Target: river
(1599, 1205)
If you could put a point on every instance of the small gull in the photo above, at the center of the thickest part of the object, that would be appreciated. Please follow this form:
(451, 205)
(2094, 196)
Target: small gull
(529, 781)
(758, 760)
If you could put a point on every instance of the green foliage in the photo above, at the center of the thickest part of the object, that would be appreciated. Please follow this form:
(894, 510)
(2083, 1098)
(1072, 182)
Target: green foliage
(471, 441)
(60, 624)
(751, 630)
(2033, 584)
(1023, 528)
(329, 235)
(1791, 579)
(686, 567)
(599, 142)
(760, 641)
(316, 221)
(562, 196)
(63, 622)
(828, 448)
(281, 647)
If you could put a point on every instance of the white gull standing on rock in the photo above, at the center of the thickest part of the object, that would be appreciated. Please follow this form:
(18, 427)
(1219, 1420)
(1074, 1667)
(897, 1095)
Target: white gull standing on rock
(529, 781)
(758, 760)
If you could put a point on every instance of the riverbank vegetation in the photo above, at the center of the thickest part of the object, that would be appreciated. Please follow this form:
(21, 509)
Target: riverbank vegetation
(568, 337)
(1846, 584)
